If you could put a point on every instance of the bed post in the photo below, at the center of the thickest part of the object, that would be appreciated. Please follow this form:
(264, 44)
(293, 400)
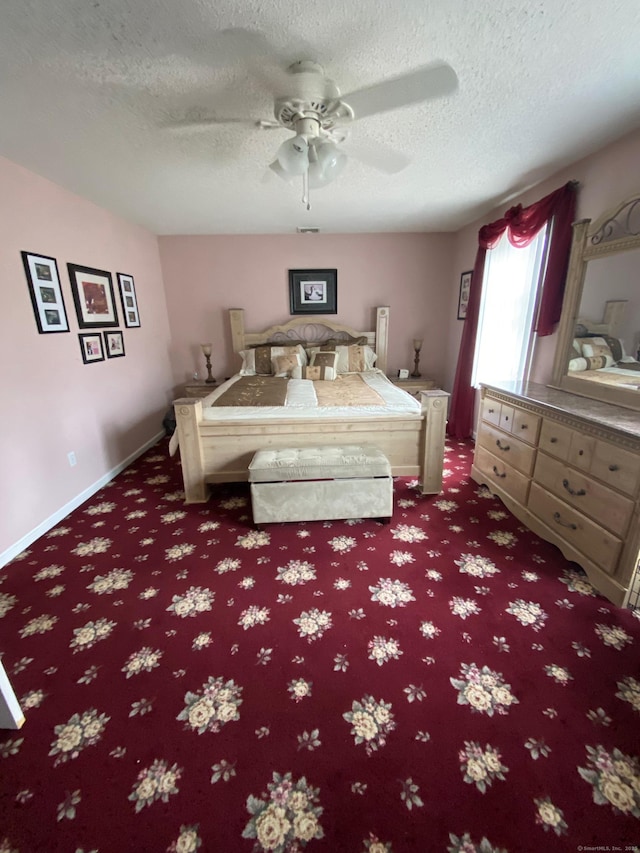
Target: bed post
(188, 415)
(236, 321)
(382, 337)
(434, 409)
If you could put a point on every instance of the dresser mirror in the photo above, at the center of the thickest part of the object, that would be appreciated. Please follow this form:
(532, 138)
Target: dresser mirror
(597, 354)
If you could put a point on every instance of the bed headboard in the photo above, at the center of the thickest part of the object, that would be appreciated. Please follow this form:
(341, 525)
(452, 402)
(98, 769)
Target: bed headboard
(311, 332)
(613, 313)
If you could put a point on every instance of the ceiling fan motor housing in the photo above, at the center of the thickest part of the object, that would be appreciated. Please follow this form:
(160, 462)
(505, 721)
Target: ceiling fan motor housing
(313, 97)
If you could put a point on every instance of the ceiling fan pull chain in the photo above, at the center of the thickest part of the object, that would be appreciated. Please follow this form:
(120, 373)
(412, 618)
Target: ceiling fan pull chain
(305, 189)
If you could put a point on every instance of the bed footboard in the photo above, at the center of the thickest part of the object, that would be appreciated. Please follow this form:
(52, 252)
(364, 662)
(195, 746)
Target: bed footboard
(188, 417)
(220, 452)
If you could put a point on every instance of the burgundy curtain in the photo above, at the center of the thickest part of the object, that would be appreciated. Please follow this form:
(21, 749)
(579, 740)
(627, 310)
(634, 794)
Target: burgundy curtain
(522, 224)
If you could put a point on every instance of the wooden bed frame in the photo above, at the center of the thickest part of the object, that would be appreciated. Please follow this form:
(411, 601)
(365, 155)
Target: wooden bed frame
(213, 452)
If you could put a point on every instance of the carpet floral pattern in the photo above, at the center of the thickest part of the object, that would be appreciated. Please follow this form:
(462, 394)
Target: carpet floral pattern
(445, 682)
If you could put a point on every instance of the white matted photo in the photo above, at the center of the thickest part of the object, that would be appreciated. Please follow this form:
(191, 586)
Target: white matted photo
(91, 347)
(46, 293)
(114, 344)
(129, 300)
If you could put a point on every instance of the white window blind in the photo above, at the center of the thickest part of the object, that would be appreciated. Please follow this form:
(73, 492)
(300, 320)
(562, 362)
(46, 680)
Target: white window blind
(507, 310)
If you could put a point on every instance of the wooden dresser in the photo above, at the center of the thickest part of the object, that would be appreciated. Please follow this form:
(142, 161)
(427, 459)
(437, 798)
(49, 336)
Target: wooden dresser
(569, 468)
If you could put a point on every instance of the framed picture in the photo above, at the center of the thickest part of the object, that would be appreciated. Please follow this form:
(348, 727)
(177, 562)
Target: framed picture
(313, 291)
(46, 293)
(463, 299)
(128, 300)
(114, 344)
(93, 296)
(91, 347)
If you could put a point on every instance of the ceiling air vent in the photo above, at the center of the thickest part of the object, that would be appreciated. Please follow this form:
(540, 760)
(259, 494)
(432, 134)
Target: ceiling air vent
(308, 229)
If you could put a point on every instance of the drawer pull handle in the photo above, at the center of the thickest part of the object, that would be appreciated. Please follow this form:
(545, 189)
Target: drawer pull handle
(614, 467)
(577, 494)
(495, 471)
(524, 426)
(491, 411)
(504, 447)
(553, 439)
(556, 517)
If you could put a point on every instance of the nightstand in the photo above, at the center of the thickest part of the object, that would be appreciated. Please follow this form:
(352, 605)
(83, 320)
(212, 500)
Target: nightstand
(414, 386)
(198, 388)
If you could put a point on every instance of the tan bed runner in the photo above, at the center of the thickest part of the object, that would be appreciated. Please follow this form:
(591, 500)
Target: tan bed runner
(348, 389)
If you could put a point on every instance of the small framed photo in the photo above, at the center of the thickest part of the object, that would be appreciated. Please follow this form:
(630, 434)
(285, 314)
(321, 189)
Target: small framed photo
(463, 299)
(92, 291)
(114, 344)
(313, 291)
(128, 300)
(45, 292)
(91, 347)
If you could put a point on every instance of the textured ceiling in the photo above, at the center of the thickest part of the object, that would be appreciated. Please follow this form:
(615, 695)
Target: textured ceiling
(89, 87)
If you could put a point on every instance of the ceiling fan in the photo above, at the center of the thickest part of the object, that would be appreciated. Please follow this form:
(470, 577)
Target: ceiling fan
(318, 115)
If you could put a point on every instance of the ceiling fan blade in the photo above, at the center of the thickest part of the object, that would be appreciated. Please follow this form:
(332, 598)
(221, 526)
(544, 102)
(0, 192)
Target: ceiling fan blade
(424, 84)
(211, 121)
(378, 156)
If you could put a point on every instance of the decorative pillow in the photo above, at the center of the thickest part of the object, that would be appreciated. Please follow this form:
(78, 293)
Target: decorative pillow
(351, 359)
(345, 341)
(597, 347)
(577, 364)
(257, 360)
(576, 349)
(318, 372)
(326, 362)
(284, 365)
(596, 362)
(616, 346)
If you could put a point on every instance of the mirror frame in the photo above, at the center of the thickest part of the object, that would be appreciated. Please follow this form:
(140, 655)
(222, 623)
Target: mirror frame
(608, 235)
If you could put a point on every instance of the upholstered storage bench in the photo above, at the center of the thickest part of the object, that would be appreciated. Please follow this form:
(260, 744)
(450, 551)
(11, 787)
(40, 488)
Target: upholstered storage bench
(320, 483)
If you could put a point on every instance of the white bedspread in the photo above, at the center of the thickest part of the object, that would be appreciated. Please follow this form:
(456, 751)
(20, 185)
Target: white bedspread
(302, 403)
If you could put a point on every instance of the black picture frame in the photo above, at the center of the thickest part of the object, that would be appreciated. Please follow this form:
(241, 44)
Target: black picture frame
(313, 291)
(128, 300)
(45, 292)
(93, 296)
(114, 344)
(91, 347)
(463, 298)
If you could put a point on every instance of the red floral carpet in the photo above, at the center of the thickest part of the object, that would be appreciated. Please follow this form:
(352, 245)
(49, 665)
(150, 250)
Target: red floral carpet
(447, 682)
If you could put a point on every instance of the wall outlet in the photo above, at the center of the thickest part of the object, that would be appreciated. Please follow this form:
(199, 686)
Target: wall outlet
(72, 459)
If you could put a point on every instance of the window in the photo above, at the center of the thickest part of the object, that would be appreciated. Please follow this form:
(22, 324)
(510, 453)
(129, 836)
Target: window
(507, 310)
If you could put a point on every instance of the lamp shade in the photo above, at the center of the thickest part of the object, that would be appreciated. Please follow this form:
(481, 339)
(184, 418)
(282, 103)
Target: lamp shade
(330, 161)
(293, 155)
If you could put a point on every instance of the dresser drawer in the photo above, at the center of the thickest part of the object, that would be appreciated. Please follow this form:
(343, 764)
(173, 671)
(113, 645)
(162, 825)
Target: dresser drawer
(555, 439)
(585, 535)
(526, 426)
(590, 497)
(506, 478)
(507, 448)
(490, 411)
(618, 467)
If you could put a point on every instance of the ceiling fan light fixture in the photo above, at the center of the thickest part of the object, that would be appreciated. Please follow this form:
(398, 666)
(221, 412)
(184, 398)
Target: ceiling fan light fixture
(329, 163)
(293, 155)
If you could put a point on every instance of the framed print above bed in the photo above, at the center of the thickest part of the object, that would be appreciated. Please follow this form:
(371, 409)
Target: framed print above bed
(129, 301)
(46, 293)
(313, 291)
(92, 291)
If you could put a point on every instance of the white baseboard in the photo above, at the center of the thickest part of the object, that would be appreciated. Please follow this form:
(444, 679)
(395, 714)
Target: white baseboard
(27, 540)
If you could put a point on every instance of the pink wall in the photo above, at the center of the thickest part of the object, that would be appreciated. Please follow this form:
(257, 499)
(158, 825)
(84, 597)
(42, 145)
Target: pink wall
(206, 275)
(606, 177)
(51, 402)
